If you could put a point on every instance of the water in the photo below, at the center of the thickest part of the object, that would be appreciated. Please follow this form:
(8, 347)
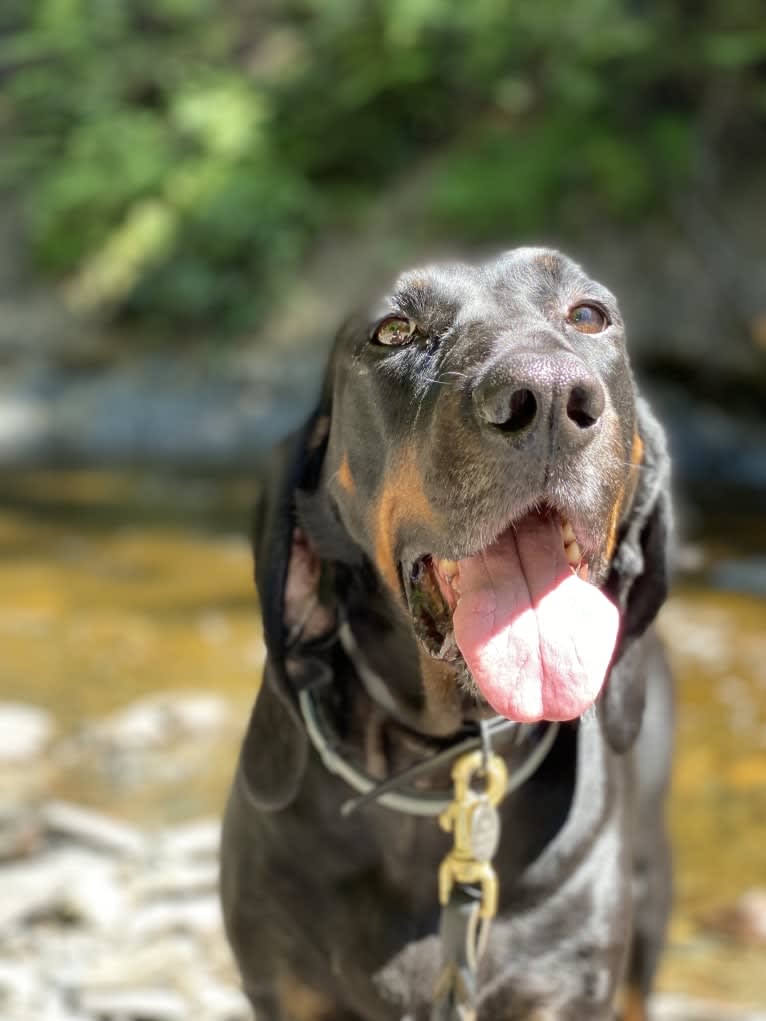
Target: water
(114, 586)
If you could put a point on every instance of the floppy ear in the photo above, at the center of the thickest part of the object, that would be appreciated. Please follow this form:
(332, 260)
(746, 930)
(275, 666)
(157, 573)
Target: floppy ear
(287, 575)
(638, 583)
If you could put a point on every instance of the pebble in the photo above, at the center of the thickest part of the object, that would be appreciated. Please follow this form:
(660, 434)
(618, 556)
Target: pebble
(683, 1008)
(84, 826)
(178, 879)
(166, 716)
(744, 920)
(21, 832)
(104, 921)
(136, 1004)
(25, 731)
(200, 915)
(32, 889)
(198, 839)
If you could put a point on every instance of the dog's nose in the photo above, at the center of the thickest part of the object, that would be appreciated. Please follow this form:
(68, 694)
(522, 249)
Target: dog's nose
(532, 392)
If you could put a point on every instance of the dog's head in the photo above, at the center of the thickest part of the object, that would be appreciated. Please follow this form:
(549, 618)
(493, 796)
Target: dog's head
(480, 451)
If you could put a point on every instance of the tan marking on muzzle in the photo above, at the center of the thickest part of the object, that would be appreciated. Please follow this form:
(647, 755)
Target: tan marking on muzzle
(345, 478)
(402, 500)
(626, 494)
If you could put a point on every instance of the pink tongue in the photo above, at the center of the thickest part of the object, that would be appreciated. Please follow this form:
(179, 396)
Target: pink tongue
(537, 639)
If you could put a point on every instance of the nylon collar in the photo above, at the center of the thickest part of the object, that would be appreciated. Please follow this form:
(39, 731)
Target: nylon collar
(395, 792)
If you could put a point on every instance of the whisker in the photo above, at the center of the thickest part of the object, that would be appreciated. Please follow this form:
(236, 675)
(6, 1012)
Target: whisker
(640, 467)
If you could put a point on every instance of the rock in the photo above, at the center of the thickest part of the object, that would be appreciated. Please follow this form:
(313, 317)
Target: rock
(25, 731)
(136, 1005)
(146, 410)
(198, 839)
(177, 879)
(683, 1008)
(96, 897)
(68, 882)
(710, 441)
(25, 997)
(32, 889)
(21, 832)
(84, 826)
(743, 575)
(123, 962)
(222, 1003)
(152, 722)
(744, 920)
(196, 915)
(18, 982)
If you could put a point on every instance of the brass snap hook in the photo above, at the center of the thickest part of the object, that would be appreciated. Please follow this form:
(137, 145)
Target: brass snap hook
(474, 822)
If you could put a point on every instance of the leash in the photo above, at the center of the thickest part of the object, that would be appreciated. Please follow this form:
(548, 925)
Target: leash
(467, 882)
(468, 887)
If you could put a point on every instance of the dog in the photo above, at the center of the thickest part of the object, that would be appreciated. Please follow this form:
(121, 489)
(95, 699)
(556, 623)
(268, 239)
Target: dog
(472, 523)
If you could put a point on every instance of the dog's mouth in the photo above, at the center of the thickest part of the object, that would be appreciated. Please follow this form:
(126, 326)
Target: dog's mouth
(520, 615)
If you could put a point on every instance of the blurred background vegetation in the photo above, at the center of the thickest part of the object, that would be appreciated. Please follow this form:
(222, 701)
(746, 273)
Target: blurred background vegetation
(178, 159)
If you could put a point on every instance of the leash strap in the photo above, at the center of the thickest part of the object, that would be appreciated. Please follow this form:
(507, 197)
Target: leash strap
(462, 933)
(468, 889)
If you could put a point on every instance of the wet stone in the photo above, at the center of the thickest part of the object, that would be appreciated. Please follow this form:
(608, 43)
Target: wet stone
(154, 721)
(136, 1005)
(743, 921)
(179, 879)
(21, 832)
(682, 1008)
(25, 732)
(84, 826)
(101, 920)
(198, 839)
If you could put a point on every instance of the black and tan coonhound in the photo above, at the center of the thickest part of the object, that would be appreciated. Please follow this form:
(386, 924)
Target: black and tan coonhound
(473, 522)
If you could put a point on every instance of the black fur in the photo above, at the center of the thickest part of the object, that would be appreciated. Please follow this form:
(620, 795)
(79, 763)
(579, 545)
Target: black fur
(336, 918)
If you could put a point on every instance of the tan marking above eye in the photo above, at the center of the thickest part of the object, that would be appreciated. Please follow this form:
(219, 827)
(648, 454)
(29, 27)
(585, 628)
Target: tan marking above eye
(587, 318)
(395, 331)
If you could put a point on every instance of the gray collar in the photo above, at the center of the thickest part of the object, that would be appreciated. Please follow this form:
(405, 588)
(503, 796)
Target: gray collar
(393, 793)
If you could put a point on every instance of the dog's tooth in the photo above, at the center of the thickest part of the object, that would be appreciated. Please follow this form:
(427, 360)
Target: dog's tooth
(567, 533)
(573, 553)
(449, 568)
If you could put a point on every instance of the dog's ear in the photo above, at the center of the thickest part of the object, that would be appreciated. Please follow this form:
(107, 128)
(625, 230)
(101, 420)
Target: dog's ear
(638, 583)
(287, 575)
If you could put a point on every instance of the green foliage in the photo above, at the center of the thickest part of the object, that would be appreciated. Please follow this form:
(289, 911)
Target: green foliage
(179, 157)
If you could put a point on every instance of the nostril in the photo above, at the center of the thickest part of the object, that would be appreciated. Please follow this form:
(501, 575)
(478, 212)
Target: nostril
(521, 411)
(584, 406)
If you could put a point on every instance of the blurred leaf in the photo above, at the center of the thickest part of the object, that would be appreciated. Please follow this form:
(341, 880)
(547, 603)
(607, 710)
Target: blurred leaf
(733, 50)
(113, 270)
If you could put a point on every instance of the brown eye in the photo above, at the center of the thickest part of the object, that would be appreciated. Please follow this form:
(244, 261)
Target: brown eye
(587, 319)
(395, 331)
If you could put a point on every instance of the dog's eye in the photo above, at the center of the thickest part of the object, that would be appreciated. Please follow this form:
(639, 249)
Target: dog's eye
(587, 319)
(395, 331)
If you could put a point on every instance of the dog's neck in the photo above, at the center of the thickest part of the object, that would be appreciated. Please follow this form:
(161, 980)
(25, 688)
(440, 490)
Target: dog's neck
(384, 652)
